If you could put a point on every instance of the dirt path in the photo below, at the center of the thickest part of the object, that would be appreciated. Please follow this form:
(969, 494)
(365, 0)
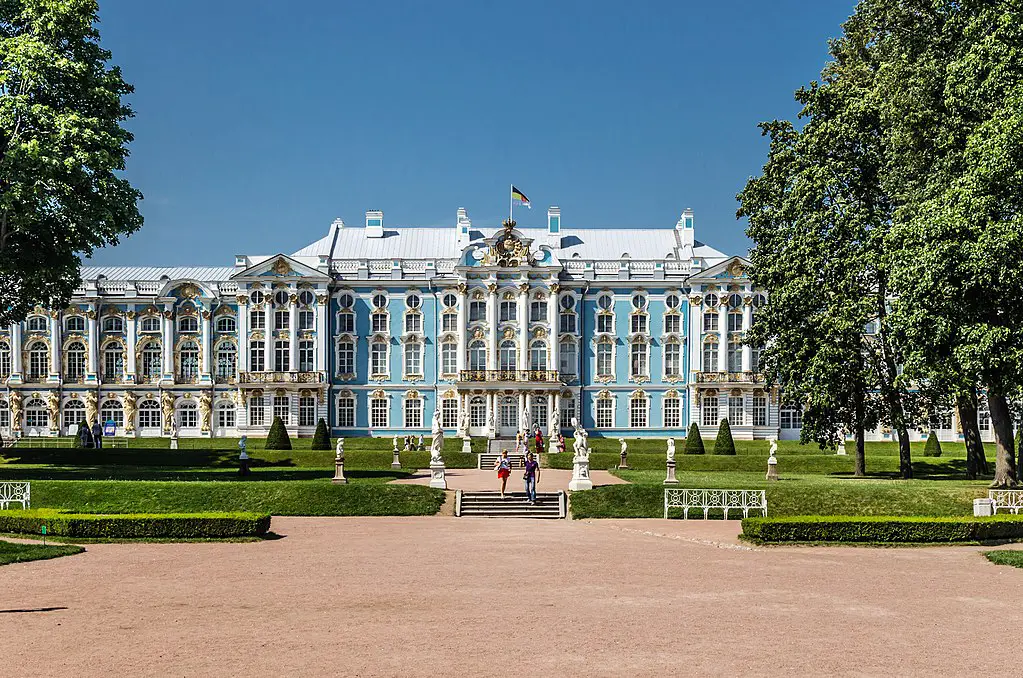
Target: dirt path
(447, 596)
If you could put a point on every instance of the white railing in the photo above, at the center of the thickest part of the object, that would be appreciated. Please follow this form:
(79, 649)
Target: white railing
(110, 287)
(380, 266)
(228, 288)
(1010, 500)
(642, 267)
(345, 266)
(726, 500)
(678, 266)
(575, 266)
(446, 265)
(44, 442)
(606, 267)
(148, 287)
(413, 266)
(15, 492)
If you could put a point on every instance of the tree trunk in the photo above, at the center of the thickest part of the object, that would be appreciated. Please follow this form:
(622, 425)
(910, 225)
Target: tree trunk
(966, 407)
(893, 393)
(905, 456)
(1005, 449)
(860, 469)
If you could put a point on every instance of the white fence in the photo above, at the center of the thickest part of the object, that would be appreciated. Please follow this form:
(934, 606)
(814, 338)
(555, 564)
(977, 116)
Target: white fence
(38, 442)
(726, 500)
(1010, 500)
(15, 492)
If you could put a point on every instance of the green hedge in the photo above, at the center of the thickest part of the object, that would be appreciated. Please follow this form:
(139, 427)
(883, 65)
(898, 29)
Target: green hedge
(882, 529)
(135, 526)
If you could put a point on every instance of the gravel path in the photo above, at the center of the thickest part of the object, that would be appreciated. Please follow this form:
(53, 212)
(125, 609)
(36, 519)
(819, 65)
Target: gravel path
(467, 597)
(474, 480)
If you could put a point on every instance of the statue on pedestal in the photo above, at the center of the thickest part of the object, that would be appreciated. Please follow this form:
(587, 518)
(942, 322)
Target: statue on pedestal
(437, 444)
(671, 449)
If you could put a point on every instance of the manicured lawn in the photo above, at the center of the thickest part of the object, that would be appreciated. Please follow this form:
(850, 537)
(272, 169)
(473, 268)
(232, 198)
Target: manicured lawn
(22, 553)
(785, 447)
(1011, 558)
(288, 498)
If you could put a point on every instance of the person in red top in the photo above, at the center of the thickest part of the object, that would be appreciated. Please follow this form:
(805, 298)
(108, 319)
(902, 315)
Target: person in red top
(503, 467)
(539, 441)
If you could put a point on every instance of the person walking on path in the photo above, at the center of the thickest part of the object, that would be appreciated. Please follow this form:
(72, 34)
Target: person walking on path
(531, 477)
(538, 437)
(97, 436)
(503, 468)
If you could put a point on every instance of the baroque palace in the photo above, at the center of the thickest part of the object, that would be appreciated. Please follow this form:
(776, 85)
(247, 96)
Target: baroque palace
(636, 332)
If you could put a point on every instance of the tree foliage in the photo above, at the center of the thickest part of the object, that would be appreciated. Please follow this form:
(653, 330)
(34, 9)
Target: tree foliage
(62, 147)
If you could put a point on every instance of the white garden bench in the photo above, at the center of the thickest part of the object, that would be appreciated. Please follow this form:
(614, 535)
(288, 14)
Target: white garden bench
(15, 492)
(726, 500)
(1010, 500)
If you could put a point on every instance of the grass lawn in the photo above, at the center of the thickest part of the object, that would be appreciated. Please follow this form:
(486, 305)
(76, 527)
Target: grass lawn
(1011, 558)
(23, 553)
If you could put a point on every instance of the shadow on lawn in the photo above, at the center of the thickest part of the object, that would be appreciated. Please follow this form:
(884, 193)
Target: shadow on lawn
(950, 469)
(227, 474)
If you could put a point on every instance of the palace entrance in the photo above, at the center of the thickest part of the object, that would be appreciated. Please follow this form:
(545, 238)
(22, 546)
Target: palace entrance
(508, 420)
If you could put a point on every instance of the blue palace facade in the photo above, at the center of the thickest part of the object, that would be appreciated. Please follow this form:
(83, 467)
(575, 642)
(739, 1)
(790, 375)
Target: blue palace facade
(636, 332)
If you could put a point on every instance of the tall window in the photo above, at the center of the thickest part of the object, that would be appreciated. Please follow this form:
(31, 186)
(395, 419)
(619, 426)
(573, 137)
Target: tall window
(639, 323)
(605, 364)
(413, 413)
(188, 324)
(188, 358)
(477, 356)
(567, 322)
(734, 356)
(710, 320)
(113, 362)
(74, 414)
(150, 324)
(74, 323)
(37, 323)
(507, 356)
(112, 411)
(449, 357)
(449, 322)
(736, 415)
(257, 319)
(307, 411)
(75, 360)
(538, 311)
(282, 318)
(759, 410)
(710, 409)
(282, 355)
(378, 414)
(306, 319)
(508, 310)
(188, 415)
(567, 358)
(605, 413)
(567, 412)
(672, 323)
(346, 411)
(282, 408)
(152, 361)
(791, 417)
(38, 360)
(226, 415)
(449, 412)
(378, 358)
(227, 360)
(710, 356)
(638, 360)
(538, 356)
(605, 323)
(477, 412)
(672, 360)
(5, 360)
(735, 321)
(673, 412)
(257, 411)
(379, 321)
(113, 325)
(306, 356)
(754, 359)
(5, 414)
(639, 410)
(345, 356)
(477, 310)
(413, 322)
(149, 415)
(413, 359)
(257, 355)
(983, 417)
(35, 414)
(226, 324)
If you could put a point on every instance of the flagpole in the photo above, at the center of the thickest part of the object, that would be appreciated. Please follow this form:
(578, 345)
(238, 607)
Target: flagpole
(511, 200)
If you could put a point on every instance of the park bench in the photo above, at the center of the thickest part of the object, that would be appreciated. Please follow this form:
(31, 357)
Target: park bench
(1010, 500)
(726, 500)
(15, 492)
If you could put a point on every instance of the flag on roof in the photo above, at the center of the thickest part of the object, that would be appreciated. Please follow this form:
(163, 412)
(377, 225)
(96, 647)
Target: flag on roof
(521, 197)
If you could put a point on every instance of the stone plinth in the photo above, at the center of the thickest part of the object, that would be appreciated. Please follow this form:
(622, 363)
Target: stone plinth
(466, 445)
(395, 460)
(580, 474)
(772, 468)
(339, 473)
(670, 478)
(437, 478)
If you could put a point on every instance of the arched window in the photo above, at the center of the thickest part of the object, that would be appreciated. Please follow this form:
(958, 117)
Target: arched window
(760, 409)
(306, 356)
(567, 411)
(710, 320)
(74, 323)
(38, 360)
(75, 353)
(736, 410)
(477, 412)
(227, 360)
(567, 358)
(113, 325)
(149, 415)
(791, 417)
(188, 415)
(306, 411)
(638, 360)
(152, 359)
(188, 324)
(710, 356)
(188, 359)
(507, 356)
(672, 360)
(5, 360)
(112, 411)
(605, 358)
(226, 324)
(37, 323)
(538, 356)
(35, 414)
(227, 416)
(378, 358)
(567, 322)
(413, 359)
(151, 324)
(5, 414)
(74, 414)
(113, 362)
(345, 357)
(477, 355)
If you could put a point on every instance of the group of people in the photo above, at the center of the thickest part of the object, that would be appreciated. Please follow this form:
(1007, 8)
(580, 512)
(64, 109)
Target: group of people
(531, 473)
(410, 444)
(90, 436)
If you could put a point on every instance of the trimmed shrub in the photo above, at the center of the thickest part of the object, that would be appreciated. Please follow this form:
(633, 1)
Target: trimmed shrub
(136, 525)
(694, 443)
(724, 443)
(882, 529)
(277, 438)
(933, 446)
(321, 439)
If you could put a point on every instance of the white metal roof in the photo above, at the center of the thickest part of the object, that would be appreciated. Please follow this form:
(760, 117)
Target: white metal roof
(198, 273)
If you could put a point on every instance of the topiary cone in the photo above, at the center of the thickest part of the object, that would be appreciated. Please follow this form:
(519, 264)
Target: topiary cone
(694, 443)
(321, 439)
(933, 446)
(724, 443)
(278, 438)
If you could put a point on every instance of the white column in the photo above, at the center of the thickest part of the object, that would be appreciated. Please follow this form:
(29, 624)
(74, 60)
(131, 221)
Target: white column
(129, 359)
(268, 344)
(243, 335)
(322, 336)
(747, 322)
(523, 313)
(207, 345)
(695, 345)
(54, 346)
(293, 332)
(462, 343)
(552, 322)
(723, 329)
(92, 342)
(168, 340)
(492, 322)
(552, 404)
(16, 368)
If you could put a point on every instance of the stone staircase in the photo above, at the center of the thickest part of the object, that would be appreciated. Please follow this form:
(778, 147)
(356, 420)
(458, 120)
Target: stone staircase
(513, 505)
(487, 460)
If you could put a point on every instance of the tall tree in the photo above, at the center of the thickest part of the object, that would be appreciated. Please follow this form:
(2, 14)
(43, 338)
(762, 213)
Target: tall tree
(62, 148)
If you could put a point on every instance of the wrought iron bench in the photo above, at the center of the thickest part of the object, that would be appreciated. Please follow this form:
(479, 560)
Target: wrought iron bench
(15, 492)
(1010, 500)
(726, 500)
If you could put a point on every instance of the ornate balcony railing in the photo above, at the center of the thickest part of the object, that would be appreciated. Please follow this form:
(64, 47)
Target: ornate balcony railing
(533, 376)
(728, 378)
(280, 377)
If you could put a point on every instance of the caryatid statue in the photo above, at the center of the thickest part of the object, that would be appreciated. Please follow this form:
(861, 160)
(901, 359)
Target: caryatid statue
(437, 444)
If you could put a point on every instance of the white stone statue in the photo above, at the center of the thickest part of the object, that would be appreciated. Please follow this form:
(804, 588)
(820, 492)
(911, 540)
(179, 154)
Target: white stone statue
(580, 461)
(394, 442)
(490, 421)
(774, 447)
(555, 424)
(625, 447)
(671, 449)
(464, 426)
(579, 446)
(437, 444)
(339, 450)
(524, 419)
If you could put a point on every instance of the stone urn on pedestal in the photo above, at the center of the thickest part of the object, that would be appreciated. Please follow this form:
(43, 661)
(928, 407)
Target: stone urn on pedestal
(580, 461)
(437, 471)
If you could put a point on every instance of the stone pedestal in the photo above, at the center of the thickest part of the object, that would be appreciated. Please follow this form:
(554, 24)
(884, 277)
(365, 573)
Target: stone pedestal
(670, 478)
(437, 478)
(580, 474)
(772, 468)
(395, 460)
(174, 443)
(624, 463)
(983, 507)
(552, 446)
(466, 445)
(841, 448)
(339, 473)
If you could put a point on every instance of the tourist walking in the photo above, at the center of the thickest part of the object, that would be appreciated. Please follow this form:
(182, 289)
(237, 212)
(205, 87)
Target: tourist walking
(538, 438)
(531, 477)
(84, 435)
(503, 468)
(561, 442)
(97, 436)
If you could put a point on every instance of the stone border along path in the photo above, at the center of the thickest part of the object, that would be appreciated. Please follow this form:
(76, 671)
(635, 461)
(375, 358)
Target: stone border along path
(475, 480)
(427, 596)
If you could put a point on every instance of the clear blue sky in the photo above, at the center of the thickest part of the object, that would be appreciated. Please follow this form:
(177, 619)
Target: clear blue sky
(258, 122)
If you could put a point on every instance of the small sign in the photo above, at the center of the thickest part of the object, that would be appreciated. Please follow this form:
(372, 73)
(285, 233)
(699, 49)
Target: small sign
(44, 529)
(72, 430)
(109, 428)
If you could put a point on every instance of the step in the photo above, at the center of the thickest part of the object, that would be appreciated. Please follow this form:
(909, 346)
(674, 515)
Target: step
(513, 505)
(488, 461)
